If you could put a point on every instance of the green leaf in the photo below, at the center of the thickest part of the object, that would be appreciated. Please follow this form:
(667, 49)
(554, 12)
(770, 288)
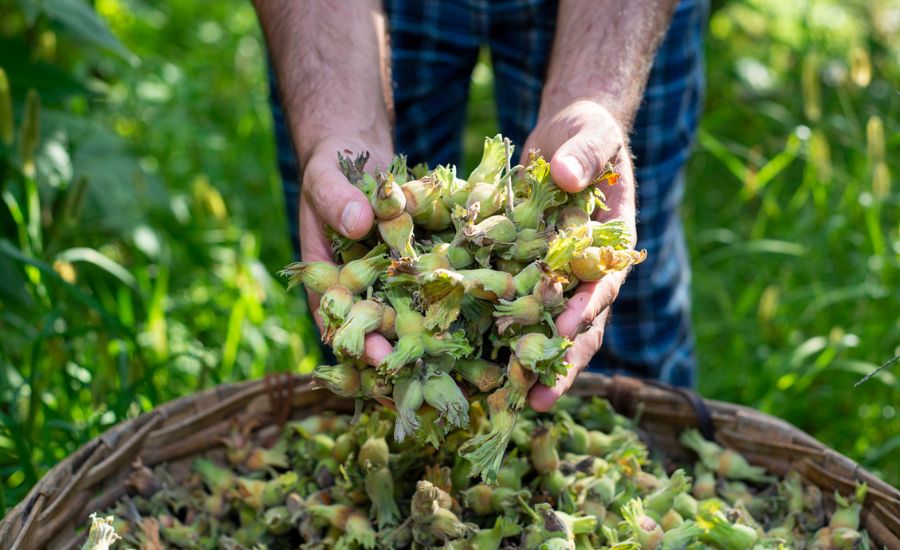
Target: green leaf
(14, 289)
(24, 73)
(111, 322)
(31, 9)
(91, 256)
(6, 110)
(112, 201)
(721, 151)
(82, 22)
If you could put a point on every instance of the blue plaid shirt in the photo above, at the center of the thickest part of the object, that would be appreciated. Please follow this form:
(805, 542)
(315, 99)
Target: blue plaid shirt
(435, 45)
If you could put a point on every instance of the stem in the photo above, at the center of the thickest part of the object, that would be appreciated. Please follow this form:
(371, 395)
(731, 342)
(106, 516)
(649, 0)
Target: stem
(509, 189)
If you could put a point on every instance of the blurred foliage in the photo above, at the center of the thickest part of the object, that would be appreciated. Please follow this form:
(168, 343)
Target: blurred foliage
(141, 218)
(793, 221)
(134, 268)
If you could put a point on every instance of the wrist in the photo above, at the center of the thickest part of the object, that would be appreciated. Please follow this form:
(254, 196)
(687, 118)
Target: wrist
(329, 139)
(557, 99)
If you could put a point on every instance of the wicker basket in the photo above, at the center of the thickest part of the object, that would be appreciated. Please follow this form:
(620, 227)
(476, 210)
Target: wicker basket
(54, 512)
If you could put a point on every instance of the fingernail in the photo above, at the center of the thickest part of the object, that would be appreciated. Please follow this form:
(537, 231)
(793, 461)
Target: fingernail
(350, 216)
(573, 166)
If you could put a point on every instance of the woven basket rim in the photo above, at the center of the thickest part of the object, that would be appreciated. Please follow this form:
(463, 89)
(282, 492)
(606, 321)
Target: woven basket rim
(56, 507)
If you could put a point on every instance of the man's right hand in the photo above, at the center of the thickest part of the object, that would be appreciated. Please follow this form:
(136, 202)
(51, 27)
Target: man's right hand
(331, 62)
(327, 198)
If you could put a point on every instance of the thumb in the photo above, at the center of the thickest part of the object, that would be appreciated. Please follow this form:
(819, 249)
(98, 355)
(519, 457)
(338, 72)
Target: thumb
(335, 200)
(582, 158)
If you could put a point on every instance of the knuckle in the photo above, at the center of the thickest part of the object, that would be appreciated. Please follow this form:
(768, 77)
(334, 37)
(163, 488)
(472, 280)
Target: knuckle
(594, 150)
(315, 174)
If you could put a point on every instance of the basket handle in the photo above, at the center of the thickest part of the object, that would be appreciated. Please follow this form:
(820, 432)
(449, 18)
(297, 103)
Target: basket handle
(280, 388)
(625, 391)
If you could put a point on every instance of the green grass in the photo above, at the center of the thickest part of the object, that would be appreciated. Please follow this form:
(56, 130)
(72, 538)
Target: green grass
(137, 260)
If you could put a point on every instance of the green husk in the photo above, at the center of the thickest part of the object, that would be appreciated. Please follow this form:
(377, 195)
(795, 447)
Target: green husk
(408, 397)
(389, 200)
(101, 535)
(484, 183)
(494, 230)
(662, 500)
(277, 520)
(543, 194)
(513, 471)
(420, 197)
(847, 514)
(454, 190)
(452, 344)
(519, 381)
(566, 246)
(334, 307)
(364, 317)
(544, 456)
(481, 373)
(337, 472)
(407, 349)
(487, 284)
(613, 233)
(441, 392)
(442, 295)
(523, 311)
(724, 461)
(530, 244)
(342, 379)
(350, 521)
(397, 232)
(485, 452)
(642, 527)
(440, 218)
(372, 384)
(594, 263)
(399, 170)
(719, 531)
(359, 275)
(680, 537)
(550, 289)
(491, 539)
(493, 161)
(572, 216)
(525, 280)
(543, 355)
(315, 276)
(379, 484)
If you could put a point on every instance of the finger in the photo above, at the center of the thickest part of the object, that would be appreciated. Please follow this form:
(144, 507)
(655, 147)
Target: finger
(314, 245)
(541, 397)
(312, 301)
(582, 158)
(620, 196)
(335, 200)
(588, 301)
(377, 348)
(530, 144)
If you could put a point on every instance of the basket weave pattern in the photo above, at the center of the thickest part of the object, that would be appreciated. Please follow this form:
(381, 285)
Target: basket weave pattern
(56, 509)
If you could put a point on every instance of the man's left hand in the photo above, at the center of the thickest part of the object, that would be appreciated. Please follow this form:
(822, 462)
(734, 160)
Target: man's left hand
(581, 139)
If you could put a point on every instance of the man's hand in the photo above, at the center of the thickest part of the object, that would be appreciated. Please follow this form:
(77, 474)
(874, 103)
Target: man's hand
(328, 199)
(595, 81)
(582, 138)
(331, 60)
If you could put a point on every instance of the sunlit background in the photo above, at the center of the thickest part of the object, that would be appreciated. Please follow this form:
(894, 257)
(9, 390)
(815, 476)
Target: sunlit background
(141, 221)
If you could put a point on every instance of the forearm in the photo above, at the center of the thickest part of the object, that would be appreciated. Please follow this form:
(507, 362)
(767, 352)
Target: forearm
(331, 61)
(603, 52)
